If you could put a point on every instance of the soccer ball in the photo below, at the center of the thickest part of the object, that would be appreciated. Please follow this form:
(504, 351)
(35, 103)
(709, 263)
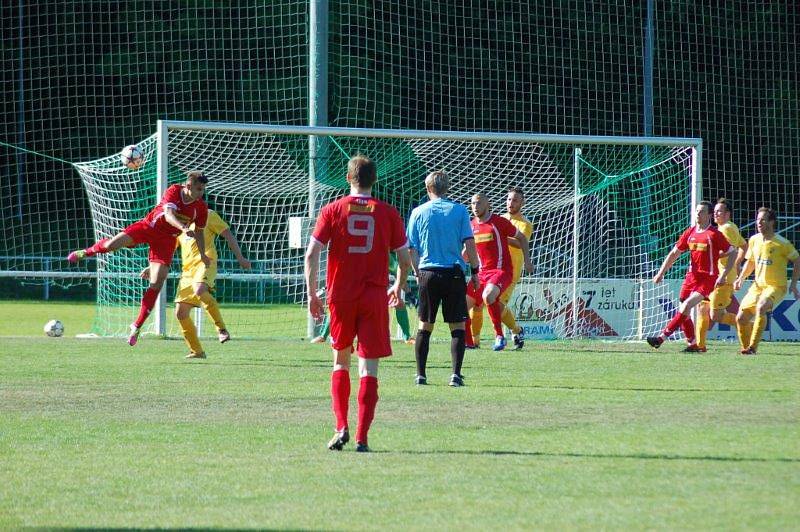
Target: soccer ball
(132, 157)
(54, 328)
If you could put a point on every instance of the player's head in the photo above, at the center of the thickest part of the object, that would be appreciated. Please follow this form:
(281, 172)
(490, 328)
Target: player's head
(195, 185)
(480, 205)
(766, 220)
(515, 200)
(703, 213)
(723, 211)
(362, 172)
(437, 183)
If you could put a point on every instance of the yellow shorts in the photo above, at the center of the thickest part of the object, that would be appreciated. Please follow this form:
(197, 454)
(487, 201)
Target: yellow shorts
(185, 292)
(721, 297)
(506, 295)
(757, 293)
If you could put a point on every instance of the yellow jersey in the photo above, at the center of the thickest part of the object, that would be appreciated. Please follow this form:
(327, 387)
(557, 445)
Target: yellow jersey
(190, 255)
(731, 232)
(771, 258)
(526, 228)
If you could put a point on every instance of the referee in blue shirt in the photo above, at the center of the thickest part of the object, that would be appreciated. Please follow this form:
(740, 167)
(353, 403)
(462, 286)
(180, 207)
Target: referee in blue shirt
(437, 232)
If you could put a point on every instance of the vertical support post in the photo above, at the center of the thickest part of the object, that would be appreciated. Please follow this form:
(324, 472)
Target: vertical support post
(647, 239)
(198, 320)
(318, 107)
(696, 180)
(47, 281)
(162, 181)
(575, 239)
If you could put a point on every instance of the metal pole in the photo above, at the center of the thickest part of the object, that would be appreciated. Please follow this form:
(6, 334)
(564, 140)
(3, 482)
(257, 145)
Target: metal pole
(575, 240)
(162, 180)
(318, 106)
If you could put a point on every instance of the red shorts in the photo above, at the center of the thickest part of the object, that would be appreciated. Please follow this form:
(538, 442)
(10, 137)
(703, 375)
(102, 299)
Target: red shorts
(500, 278)
(366, 318)
(701, 283)
(475, 293)
(162, 245)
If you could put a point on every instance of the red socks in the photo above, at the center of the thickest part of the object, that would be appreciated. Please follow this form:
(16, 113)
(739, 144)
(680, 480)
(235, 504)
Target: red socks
(340, 396)
(468, 339)
(148, 302)
(684, 322)
(98, 247)
(367, 399)
(496, 314)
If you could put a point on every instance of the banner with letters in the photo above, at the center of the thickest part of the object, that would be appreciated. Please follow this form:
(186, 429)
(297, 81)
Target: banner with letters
(614, 308)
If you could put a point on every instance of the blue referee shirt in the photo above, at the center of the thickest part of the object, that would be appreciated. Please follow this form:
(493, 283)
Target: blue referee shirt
(437, 230)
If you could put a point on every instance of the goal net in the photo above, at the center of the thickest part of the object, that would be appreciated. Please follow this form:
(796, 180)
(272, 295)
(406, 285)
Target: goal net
(605, 211)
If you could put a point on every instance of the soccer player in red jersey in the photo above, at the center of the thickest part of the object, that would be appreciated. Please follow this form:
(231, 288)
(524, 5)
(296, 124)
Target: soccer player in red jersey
(180, 206)
(496, 269)
(359, 231)
(706, 245)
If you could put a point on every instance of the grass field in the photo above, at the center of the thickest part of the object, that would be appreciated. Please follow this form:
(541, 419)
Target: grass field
(585, 435)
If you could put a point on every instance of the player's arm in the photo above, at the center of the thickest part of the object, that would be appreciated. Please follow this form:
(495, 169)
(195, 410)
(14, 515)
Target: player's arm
(729, 264)
(749, 267)
(669, 260)
(237, 251)
(313, 251)
(740, 255)
(403, 267)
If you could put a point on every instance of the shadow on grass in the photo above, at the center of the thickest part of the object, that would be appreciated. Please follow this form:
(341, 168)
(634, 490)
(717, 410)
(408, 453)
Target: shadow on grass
(634, 456)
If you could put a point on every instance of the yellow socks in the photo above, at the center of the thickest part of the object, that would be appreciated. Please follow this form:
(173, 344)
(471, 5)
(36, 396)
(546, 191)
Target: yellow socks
(190, 335)
(701, 328)
(212, 307)
(508, 320)
(476, 315)
(745, 332)
(758, 330)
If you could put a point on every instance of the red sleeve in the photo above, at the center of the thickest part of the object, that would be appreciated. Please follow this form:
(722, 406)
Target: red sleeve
(683, 242)
(322, 229)
(398, 230)
(202, 214)
(721, 242)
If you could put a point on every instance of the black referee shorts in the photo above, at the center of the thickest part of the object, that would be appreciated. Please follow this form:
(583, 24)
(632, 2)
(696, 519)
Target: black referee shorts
(445, 286)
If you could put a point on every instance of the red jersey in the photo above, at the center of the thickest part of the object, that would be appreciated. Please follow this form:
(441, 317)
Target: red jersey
(491, 239)
(195, 211)
(360, 231)
(705, 248)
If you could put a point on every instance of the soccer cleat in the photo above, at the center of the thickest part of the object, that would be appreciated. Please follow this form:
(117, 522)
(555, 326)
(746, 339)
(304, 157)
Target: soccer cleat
(318, 340)
(77, 255)
(134, 336)
(472, 346)
(196, 355)
(340, 438)
(456, 381)
(420, 380)
(223, 335)
(748, 351)
(362, 447)
(499, 343)
(519, 340)
(694, 348)
(655, 341)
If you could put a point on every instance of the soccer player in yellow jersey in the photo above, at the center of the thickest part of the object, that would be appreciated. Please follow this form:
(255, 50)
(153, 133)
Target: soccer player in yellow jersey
(768, 254)
(722, 295)
(197, 282)
(514, 203)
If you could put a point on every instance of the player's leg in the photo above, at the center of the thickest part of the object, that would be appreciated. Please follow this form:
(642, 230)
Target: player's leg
(703, 324)
(744, 318)
(688, 298)
(720, 301)
(211, 306)
(183, 314)
(455, 309)
(105, 245)
(766, 303)
(374, 342)
(343, 329)
(429, 299)
(158, 274)
(491, 296)
(508, 317)
(476, 325)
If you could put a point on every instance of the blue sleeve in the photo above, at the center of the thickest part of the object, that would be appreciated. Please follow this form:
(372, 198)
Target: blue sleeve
(466, 228)
(411, 231)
